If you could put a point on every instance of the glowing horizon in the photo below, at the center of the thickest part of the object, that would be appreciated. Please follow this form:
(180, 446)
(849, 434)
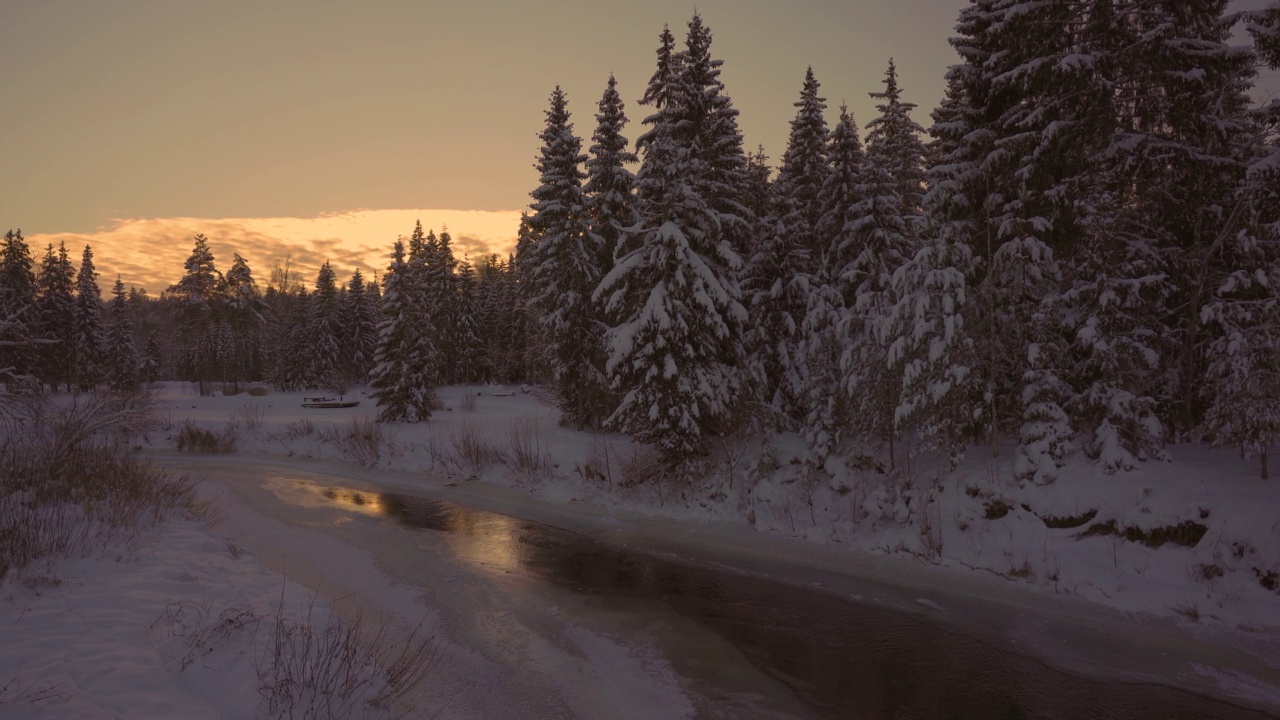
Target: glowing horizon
(149, 252)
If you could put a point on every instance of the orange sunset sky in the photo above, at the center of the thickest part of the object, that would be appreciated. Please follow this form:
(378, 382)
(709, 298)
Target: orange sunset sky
(322, 130)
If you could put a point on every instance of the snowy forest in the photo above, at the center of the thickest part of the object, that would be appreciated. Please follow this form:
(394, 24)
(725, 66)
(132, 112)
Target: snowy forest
(1078, 256)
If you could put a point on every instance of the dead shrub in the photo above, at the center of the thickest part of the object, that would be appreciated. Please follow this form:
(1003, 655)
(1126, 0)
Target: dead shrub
(361, 440)
(68, 486)
(528, 458)
(195, 439)
(473, 449)
(335, 669)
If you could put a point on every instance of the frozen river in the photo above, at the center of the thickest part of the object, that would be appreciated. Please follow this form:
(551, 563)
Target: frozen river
(627, 619)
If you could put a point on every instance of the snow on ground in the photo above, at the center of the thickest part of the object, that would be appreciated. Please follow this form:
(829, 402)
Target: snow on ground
(175, 624)
(1197, 538)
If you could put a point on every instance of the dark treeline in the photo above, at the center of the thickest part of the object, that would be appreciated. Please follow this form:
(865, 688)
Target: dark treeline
(1079, 254)
(224, 330)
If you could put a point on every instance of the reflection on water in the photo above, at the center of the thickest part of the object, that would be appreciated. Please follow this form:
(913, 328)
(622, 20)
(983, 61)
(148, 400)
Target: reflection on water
(843, 659)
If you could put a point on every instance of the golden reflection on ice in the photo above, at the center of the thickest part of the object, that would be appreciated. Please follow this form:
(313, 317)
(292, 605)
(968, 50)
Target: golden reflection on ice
(485, 539)
(480, 538)
(308, 494)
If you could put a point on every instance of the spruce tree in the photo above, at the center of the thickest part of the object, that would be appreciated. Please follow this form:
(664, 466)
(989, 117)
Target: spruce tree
(673, 357)
(610, 186)
(18, 318)
(325, 330)
(407, 365)
(198, 300)
(894, 140)
(780, 276)
(89, 342)
(122, 362)
(466, 327)
(359, 323)
(55, 310)
(826, 425)
(152, 363)
(564, 270)
(245, 321)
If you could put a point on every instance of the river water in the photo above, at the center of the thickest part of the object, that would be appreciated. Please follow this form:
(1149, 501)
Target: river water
(841, 658)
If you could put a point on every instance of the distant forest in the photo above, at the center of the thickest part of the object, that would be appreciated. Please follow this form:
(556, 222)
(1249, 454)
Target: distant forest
(1079, 255)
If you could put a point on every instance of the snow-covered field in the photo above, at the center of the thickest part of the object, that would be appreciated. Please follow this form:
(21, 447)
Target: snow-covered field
(176, 624)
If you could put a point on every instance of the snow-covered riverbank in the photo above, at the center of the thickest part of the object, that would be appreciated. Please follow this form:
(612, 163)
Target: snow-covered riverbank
(1197, 538)
(969, 550)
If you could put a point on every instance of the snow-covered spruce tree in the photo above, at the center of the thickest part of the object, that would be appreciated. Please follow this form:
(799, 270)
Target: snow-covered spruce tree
(716, 140)
(122, 361)
(894, 139)
(89, 340)
(758, 188)
(151, 365)
(438, 302)
(879, 240)
(929, 340)
(1184, 139)
(779, 277)
(533, 358)
(1242, 385)
(657, 94)
(55, 310)
(406, 363)
(610, 186)
(197, 304)
(466, 328)
(673, 358)
(827, 423)
(359, 328)
(18, 353)
(564, 270)
(326, 331)
(244, 321)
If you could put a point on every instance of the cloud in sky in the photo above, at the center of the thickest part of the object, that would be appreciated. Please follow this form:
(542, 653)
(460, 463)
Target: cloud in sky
(150, 252)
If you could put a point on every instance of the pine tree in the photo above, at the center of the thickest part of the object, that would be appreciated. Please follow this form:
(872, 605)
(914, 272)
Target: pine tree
(89, 342)
(781, 273)
(673, 357)
(564, 270)
(55, 310)
(122, 362)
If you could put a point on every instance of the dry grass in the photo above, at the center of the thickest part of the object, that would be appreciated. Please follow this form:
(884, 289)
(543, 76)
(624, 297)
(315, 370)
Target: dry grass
(361, 439)
(195, 439)
(598, 465)
(335, 669)
(314, 666)
(250, 415)
(473, 450)
(528, 459)
(68, 484)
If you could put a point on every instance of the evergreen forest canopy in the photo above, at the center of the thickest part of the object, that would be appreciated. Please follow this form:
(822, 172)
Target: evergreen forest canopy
(1080, 254)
